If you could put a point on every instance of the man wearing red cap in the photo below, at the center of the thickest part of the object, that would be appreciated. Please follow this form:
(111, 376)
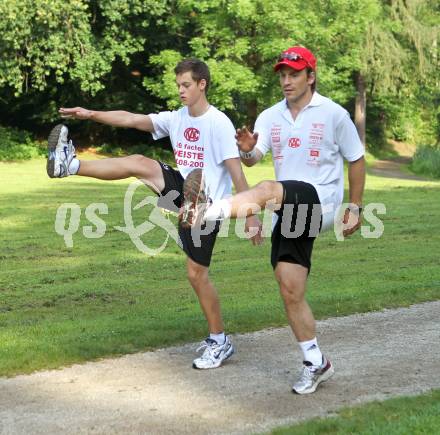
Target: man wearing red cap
(309, 136)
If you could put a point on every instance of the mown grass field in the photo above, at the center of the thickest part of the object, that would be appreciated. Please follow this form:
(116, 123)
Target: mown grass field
(400, 416)
(103, 297)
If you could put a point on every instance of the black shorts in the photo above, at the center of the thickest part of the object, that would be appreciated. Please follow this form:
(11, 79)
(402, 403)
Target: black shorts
(198, 244)
(299, 223)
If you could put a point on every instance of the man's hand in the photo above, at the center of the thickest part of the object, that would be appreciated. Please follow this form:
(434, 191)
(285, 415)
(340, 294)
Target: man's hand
(75, 113)
(351, 222)
(246, 140)
(253, 227)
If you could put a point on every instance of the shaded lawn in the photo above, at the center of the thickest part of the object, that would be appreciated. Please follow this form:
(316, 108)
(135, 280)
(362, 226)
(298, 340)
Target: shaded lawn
(103, 297)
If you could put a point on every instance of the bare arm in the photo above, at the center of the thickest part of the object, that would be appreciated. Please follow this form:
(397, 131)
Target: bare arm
(356, 180)
(246, 142)
(116, 118)
(241, 184)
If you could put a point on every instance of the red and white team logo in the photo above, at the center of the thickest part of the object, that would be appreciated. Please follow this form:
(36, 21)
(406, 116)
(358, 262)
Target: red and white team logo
(192, 134)
(294, 142)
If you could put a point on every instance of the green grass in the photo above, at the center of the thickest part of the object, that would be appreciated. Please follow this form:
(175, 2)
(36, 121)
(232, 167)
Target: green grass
(427, 161)
(103, 297)
(400, 416)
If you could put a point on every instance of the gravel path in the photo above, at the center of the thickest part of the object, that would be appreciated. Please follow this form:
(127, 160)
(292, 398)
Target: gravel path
(392, 169)
(376, 356)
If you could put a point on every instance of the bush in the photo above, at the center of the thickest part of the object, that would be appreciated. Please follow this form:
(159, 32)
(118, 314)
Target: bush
(18, 145)
(427, 161)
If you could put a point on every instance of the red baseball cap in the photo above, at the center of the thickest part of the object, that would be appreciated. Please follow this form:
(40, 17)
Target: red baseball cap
(297, 58)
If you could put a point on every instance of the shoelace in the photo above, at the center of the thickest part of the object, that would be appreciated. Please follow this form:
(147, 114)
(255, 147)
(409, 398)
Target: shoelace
(72, 148)
(307, 374)
(208, 349)
(69, 154)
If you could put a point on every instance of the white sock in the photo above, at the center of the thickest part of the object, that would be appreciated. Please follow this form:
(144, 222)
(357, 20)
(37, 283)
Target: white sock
(74, 167)
(311, 352)
(219, 209)
(219, 338)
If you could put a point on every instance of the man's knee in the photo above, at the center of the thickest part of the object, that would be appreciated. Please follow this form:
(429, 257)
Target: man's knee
(147, 170)
(267, 187)
(136, 162)
(197, 274)
(292, 291)
(270, 191)
(292, 295)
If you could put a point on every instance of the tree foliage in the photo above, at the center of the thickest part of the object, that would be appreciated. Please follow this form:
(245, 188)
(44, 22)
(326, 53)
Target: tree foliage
(47, 42)
(110, 54)
(400, 65)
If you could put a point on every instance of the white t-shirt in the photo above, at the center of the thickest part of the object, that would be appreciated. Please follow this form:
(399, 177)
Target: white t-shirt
(312, 147)
(204, 141)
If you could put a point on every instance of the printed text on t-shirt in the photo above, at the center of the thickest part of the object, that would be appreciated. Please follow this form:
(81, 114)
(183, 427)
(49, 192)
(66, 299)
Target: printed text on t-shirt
(189, 155)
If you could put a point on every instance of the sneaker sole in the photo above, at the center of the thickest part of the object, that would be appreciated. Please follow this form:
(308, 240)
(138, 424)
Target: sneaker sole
(228, 354)
(52, 143)
(193, 194)
(326, 376)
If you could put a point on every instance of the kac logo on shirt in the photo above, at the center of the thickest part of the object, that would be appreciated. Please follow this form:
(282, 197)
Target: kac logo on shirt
(294, 142)
(192, 134)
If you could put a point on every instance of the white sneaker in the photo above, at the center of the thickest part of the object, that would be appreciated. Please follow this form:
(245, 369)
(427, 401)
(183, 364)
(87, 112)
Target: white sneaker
(311, 376)
(214, 354)
(61, 152)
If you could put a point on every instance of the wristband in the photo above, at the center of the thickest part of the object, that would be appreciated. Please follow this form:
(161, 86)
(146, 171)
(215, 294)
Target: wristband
(355, 208)
(249, 155)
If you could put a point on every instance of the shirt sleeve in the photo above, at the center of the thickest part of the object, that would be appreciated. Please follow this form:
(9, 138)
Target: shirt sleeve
(263, 141)
(161, 123)
(225, 146)
(348, 139)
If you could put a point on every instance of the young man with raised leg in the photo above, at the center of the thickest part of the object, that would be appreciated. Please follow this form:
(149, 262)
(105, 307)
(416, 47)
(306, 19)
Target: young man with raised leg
(201, 137)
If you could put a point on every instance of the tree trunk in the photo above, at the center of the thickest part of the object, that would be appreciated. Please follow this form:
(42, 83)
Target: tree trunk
(252, 113)
(360, 106)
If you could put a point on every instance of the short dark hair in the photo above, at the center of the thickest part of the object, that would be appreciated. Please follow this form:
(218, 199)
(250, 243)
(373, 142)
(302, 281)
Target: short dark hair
(199, 70)
(309, 71)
